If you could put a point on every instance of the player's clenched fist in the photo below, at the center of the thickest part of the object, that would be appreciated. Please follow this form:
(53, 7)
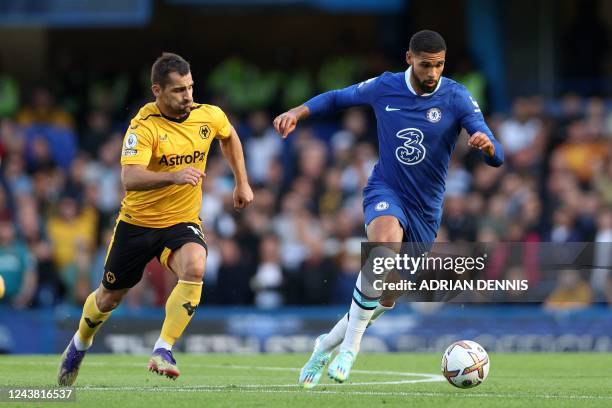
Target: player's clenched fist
(188, 175)
(482, 142)
(285, 123)
(243, 196)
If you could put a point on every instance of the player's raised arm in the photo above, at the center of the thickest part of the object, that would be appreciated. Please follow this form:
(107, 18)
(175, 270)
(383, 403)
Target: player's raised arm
(327, 102)
(232, 150)
(481, 137)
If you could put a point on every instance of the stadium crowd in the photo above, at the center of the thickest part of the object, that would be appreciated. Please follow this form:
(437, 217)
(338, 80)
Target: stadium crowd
(299, 243)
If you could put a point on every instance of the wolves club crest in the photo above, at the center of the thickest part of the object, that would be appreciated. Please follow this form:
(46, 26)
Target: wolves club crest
(204, 131)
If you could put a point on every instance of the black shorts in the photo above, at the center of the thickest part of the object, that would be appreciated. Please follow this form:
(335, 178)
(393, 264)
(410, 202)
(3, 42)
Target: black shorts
(132, 247)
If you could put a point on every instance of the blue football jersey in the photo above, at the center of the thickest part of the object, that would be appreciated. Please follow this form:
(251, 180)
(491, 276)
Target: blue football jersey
(416, 133)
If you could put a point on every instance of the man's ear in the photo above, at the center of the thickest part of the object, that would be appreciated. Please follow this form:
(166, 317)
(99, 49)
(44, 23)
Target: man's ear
(409, 57)
(156, 89)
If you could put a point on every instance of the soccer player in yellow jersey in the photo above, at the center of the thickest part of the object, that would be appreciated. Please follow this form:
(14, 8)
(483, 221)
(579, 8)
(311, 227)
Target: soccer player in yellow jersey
(163, 160)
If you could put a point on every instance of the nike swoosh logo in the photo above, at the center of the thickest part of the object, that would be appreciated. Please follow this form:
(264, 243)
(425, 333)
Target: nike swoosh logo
(388, 109)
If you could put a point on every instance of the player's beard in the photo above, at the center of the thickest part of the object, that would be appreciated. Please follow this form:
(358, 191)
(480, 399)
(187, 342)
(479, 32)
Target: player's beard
(181, 109)
(185, 108)
(425, 88)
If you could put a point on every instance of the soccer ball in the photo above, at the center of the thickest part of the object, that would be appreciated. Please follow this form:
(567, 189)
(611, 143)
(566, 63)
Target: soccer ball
(465, 364)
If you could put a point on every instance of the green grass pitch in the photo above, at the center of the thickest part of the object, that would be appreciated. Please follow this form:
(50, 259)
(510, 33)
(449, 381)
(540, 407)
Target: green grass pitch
(515, 380)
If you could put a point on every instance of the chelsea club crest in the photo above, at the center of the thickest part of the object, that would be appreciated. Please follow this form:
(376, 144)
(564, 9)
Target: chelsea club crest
(434, 115)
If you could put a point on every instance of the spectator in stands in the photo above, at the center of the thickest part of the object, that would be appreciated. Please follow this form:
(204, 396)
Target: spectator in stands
(571, 292)
(6, 211)
(9, 93)
(523, 136)
(42, 110)
(582, 150)
(97, 132)
(602, 181)
(458, 180)
(571, 109)
(348, 267)
(461, 225)
(315, 274)
(60, 143)
(262, 146)
(51, 288)
(332, 196)
(72, 233)
(39, 156)
(17, 267)
(286, 227)
(359, 167)
(269, 278)
(15, 176)
(105, 174)
(233, 275)
(354, 129)
(564, 228)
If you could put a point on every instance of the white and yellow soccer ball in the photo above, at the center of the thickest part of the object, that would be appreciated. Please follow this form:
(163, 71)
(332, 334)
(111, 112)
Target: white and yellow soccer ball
(465, 364)
(1, 287)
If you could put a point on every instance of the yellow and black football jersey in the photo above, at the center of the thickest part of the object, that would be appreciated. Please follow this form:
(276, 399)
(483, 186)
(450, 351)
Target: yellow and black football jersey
(166, 144)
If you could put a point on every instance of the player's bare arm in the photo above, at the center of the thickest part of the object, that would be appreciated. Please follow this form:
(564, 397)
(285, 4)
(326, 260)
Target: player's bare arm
(482, 142)
(232, 150)
(136, 177)
(285, 123)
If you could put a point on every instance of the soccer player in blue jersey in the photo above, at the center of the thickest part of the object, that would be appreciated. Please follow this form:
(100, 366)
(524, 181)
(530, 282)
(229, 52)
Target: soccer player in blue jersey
(419, 117)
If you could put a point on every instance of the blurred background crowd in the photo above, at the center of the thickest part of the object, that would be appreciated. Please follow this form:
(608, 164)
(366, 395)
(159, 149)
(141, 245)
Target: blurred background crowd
(299, 243)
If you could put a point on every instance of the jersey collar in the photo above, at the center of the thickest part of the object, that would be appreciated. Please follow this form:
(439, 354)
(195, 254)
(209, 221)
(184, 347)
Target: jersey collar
(176, 120)
(411, 89)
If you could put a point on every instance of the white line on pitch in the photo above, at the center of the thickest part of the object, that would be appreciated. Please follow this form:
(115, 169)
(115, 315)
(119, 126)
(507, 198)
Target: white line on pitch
(365, 393)
(424, 377)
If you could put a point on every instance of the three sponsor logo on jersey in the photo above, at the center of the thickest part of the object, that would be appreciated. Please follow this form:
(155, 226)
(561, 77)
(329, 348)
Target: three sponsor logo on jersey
(413, 151)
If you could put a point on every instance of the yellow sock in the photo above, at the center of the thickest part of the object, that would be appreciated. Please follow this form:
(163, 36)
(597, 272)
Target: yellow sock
(180, 306)
(91, 320)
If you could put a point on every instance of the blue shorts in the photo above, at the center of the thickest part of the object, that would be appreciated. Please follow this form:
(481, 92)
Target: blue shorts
(379, 200)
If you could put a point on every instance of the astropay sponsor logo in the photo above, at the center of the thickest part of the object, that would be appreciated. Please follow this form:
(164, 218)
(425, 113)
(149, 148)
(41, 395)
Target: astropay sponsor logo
(177, 160)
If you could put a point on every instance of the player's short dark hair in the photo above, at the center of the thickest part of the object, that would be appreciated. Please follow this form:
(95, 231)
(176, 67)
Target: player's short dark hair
(427, 41)
(164, 65)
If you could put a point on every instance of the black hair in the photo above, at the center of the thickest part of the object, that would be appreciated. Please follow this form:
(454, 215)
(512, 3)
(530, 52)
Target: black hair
(164, 65)
(427, 41)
